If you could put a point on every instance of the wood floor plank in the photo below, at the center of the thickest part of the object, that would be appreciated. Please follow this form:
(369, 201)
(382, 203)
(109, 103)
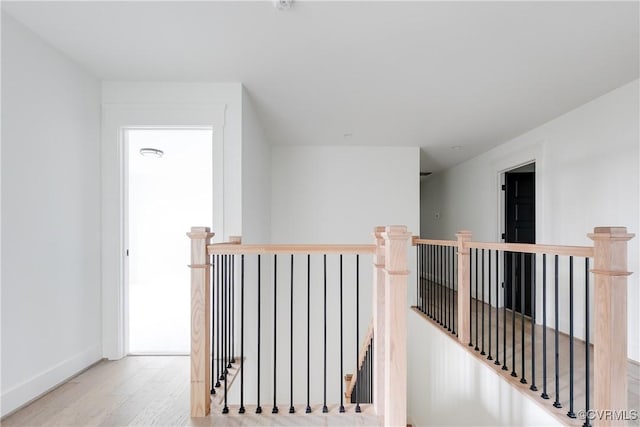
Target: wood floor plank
(154, 391)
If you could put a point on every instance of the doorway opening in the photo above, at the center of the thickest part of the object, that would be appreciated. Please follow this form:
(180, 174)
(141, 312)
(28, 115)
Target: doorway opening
(168, 189)
(519, 227)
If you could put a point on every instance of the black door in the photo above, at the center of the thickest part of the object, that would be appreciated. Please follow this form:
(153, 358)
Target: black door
(520, 227)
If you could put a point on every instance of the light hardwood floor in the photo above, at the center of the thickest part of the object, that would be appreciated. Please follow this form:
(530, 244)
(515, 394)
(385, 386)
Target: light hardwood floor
(154, 391)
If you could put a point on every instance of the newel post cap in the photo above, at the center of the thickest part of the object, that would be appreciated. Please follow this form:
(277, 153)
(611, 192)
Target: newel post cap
(200, 233)
(611, 233)
(396, 232)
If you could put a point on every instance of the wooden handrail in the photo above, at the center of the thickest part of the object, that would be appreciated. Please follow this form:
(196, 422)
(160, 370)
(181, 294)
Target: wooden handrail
(288, 249)
(361, 355)
(415, 241)
(529, 248)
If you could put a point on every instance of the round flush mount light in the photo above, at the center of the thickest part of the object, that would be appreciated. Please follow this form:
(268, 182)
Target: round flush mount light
(457, 147)
(151, 152)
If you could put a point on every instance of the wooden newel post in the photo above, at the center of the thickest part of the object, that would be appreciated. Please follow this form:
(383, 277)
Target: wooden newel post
(379, 283)
(610, 318)
(200, 322)
(396, 245)
(464, 283)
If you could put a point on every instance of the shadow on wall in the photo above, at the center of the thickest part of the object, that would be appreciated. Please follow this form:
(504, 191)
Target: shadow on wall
(449, 387)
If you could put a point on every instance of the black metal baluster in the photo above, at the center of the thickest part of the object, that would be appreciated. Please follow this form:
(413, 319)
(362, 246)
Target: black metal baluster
(449, 286)
(423, 279)
(505, 255)
(453, 290)
(365, 379)
(291, 408)
(557, 403)
(372, 370)
(224, 316)
(513, 314)
(523, 379)
(437, 284)
(434, 278)
(470, 297)
(357, 387)
(229, 312)
(443, 276)
(586, 341)
(225, 408)
(428, 279)
(418, 288)
(449, 282)
(570, 413)
(218, 316)
(477, 311)
(308, 408)
(443, 263)
(497, 361)
(223, 320)
(341, 345)
(441, 287)
(324, 406)
(213, 323)
(436, 281)
(274, 410)
(490, 303)
(241, 410)
(433, 286)
(233, 309)
(369, 373)
(258, 407)
(427, 272)
(482, 302)
(544, 394)
(533, 323)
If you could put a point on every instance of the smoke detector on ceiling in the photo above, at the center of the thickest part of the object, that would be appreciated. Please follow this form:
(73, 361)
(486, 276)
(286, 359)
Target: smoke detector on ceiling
(282, 4)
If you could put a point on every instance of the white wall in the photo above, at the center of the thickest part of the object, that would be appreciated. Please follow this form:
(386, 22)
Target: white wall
(256, 176)
(335, 194)
(450, 387)
(332, 194)
(587, 175)
(50, 217)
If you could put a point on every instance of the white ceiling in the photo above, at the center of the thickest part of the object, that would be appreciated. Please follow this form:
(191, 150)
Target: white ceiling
(429, 74)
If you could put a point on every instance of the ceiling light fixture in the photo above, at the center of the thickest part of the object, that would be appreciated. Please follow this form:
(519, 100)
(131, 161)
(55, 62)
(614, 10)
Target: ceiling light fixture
(151, 152)
(282, 4)
(457, 147)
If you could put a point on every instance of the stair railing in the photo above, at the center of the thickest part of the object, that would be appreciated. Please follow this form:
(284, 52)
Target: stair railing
(386, 370)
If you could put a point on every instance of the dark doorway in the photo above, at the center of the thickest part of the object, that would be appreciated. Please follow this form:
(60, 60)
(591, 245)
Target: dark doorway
(520, 227)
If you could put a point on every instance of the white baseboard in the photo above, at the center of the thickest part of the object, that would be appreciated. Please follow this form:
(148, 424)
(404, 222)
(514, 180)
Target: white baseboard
(29, 390)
